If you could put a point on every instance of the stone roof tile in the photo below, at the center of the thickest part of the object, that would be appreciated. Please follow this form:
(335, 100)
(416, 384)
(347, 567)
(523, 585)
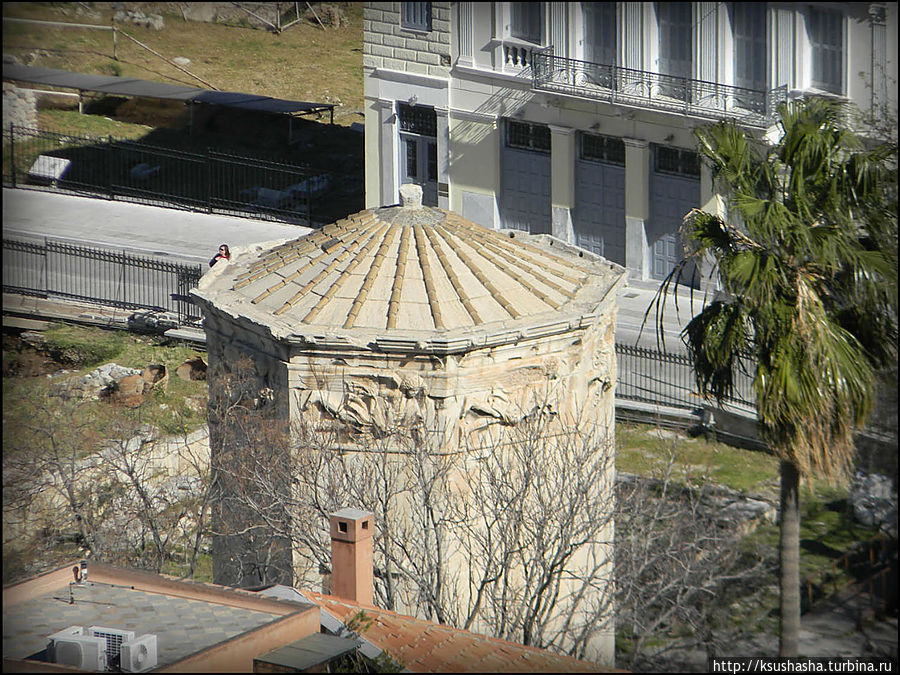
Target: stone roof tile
(413, 270)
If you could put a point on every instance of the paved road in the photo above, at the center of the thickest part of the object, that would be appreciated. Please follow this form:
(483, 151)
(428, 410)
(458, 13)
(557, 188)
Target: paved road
(194, 237)
(184, 236)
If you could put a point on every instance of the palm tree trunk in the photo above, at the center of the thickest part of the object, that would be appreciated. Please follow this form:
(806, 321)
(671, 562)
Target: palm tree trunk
(789, 553)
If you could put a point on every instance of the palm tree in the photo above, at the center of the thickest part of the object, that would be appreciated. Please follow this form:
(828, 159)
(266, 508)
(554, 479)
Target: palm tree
(808, 270)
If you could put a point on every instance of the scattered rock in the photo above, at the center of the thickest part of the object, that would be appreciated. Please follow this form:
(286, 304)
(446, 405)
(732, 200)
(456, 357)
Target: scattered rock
(12, 59)
(99, 383)
(181, 60)
(34, 339)
(149, 321)
(193, 368)
(874, 502)
(329, 15)
(195, 404)
(138, 18)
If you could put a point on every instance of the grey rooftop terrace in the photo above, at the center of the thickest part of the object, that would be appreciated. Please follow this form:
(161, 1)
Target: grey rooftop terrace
(187, 618)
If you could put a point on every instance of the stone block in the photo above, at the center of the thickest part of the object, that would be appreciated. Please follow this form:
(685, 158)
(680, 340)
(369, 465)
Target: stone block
(47, 169)
(154, 373)
(393, 41)
(404, 54)
(417, 44)
(438, 71)
(193, 368)
(418, 68)
(428, 58)
(382, 27)
(129, 392)
(380, 50)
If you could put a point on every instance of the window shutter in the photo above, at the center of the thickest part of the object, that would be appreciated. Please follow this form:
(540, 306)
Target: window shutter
(416, 16)
(525, 21)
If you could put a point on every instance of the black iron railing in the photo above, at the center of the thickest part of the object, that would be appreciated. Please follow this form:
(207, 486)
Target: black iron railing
(55, 269)
(664, 378)
(209, 181)
(616, 84)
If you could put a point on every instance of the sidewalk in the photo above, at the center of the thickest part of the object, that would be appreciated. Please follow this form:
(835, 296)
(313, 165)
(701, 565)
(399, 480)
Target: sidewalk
(150, 230)
(194, 237)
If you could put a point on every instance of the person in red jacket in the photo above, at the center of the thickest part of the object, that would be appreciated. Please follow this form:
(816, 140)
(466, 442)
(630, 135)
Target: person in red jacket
(223, 254)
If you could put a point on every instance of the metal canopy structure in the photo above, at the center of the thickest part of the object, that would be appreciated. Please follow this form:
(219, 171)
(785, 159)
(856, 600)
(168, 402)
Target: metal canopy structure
(130, 86)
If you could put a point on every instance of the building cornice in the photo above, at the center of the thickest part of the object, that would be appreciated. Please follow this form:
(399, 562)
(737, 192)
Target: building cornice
(415, 79)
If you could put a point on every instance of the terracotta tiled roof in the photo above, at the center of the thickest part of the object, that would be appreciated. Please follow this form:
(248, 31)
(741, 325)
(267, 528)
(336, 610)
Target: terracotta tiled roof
(427, 647)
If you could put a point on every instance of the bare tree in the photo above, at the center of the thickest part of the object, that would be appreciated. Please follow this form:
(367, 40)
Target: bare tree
(96, 469)
(505, 537)
(46, 468)
(679, 565)
(511, 537)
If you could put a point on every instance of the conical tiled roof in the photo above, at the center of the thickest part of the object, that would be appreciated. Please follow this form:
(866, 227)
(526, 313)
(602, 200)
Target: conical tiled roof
(397, 270)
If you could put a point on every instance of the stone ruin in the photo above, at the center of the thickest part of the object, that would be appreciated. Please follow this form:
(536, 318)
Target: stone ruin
(409, 317)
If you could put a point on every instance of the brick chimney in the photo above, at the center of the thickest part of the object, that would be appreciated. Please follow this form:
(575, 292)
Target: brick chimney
(351, 555)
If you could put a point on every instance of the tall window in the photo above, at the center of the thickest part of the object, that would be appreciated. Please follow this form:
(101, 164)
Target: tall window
(675, 43)
(600, 32)
(826, 36)
(526, 21)
(416, 16)
(748, 21)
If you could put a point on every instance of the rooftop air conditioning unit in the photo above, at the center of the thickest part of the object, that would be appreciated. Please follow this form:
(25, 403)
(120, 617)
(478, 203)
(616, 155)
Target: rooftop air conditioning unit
(73, 647)
(114, 638)
(138, 655)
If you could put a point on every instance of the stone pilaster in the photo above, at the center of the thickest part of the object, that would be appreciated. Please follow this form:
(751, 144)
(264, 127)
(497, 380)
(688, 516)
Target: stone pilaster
(464, 33)
(387, 152)
(443, 161)
(562, 181)
(637, 207)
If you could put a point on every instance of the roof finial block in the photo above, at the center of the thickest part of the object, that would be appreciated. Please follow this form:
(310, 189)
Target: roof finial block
(411, 196)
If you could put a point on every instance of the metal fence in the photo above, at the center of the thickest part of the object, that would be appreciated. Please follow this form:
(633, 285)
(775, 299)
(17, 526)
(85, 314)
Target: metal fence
(663, 378)
(617, 84)
(97, 276)
(211, 181)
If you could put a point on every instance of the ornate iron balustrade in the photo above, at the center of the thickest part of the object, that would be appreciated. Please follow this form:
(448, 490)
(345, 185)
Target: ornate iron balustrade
(616, 84)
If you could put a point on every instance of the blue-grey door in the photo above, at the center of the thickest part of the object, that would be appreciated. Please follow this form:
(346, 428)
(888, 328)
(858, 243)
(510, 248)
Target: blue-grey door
(418, 164)
(671, 198)
(525, 185)
(599, 217)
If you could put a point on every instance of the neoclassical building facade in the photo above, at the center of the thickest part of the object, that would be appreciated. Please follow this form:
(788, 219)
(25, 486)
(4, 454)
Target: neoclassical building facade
(576, 118)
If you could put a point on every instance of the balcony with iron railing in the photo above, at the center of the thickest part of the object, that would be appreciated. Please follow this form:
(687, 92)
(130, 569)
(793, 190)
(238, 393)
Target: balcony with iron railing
(656, 91)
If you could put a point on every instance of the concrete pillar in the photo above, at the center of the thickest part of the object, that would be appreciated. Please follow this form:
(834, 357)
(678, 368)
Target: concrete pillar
(443, 151)
(562, 181)
(351, 555)
(387, 154)
(637, 207)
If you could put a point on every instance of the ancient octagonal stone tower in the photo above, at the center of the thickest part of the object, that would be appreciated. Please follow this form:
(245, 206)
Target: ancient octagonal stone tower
(410, 316)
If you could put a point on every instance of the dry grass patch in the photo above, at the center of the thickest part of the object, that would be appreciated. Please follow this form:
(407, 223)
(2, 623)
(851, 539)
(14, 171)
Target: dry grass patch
(303, 63)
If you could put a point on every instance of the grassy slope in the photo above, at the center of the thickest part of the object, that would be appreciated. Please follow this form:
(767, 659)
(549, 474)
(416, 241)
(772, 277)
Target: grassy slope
(303, 63)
